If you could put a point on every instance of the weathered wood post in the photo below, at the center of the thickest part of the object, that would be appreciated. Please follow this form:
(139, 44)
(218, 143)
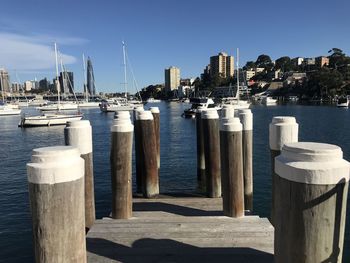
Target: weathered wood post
(282, 129)
(246, 118)
(201, 179)
(138, 149)
(121, 162)
(79, 134)
(150, 179)
(210, 122)
(227, 111)
(232, 167)
(156, 118)
(56, 197)
(310, 204)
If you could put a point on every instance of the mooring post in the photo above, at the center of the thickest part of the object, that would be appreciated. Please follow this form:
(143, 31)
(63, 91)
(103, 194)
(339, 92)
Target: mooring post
(232, 167)
(210, 122)
(150, 179)
(138, 149)
(79, 134)
(282, 130)
(228, 111)
(56, 197)
(246, 118)
(121, 162)
(156, 118)
(201, 179)
(310, 204)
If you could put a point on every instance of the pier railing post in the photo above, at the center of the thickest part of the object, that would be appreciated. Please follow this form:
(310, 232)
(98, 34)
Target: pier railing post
(79, 134)
(232, 167)
(156, 118)
(310, 204)
(138, 155)
(121, 162)
(246, 118)
(282, 130)
(150, 178)
(201, 179)
(210, 122)
(56, 197)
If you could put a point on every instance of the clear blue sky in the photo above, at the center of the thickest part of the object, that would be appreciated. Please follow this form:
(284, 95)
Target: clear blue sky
(161, 33)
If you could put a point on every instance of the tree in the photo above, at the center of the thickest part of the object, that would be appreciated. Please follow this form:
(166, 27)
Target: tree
(249, 65)
(263, 61)
(284, 64)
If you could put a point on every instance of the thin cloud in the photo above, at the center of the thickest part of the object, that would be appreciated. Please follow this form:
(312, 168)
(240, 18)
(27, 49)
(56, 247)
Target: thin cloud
(34, 52)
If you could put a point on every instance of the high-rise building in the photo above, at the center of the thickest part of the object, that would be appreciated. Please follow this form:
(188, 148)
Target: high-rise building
(28, 85)
(16, 87)
(4, 80)
(172, 78)
(221, 65)
(90, 78)
(44, 84)
(66, 82)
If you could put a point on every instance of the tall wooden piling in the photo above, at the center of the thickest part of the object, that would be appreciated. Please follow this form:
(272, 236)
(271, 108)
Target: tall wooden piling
(232, 167)
(201, 179)
(310, 204)
(56, 197)
(246, 118)
(282, 130)
(138, 149)
(79, 134)
(150, 179)
(210, 122)
(156, 118)
(121, 161)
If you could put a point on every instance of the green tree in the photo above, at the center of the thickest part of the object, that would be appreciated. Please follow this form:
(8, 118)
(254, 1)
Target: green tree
(263, 61)
(249, 65)
(284, 64)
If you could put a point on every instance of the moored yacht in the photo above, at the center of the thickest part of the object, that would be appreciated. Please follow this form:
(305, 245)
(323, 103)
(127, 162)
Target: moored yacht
(204, 103)
(343, 102)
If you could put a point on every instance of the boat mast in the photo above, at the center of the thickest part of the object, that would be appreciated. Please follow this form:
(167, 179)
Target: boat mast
(124, 65)
(57, 82)
(237, 62)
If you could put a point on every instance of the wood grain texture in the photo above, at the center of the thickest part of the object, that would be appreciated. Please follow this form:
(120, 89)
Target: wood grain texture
(274, 177)
(121, 170)
(212, 157)
(232, 173)
(201, 179)
(247, 150)
(156, 121)
(90, 215)
(58, 221)
(309, 222)
(138, 155)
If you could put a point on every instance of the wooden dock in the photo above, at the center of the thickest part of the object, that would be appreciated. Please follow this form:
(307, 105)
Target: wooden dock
(181, 229)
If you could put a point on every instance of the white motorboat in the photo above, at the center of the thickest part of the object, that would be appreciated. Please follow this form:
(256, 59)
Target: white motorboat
(5, 110)
(88, 104)
(343, 102)
(268, 100)
(204, 103)
(116, 105)
(58, 107)
(153, 100)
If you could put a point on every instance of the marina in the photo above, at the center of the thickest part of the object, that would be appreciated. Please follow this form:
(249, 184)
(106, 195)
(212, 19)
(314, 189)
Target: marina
(177, 171)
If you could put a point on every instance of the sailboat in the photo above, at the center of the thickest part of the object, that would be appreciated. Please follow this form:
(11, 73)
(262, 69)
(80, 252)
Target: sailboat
(118, 104)
(7, 109)
(50, 118)
(235, 101)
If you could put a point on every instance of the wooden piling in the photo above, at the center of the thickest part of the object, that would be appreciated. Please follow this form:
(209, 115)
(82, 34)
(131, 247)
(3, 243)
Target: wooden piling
(138, 149)
(79, 134)
(201, 179)
(56, 197)
(282, 129)
(227, 111)
(121, 161)
(232, 168)
(150, 179)
(210, 122)
(156, 118)
(310, 204)
(246, 118)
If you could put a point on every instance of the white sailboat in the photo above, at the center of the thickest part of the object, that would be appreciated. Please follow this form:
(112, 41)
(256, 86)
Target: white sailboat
(235, 101)
(7, 109)
(50, 118)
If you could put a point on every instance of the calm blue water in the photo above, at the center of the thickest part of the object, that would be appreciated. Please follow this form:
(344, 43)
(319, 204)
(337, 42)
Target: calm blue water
(178, 161)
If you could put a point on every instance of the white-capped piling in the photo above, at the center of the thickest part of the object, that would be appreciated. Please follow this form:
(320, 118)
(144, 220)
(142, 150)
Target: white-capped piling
(121, 163)
(201, 179)
(156, 118)
(149, 167)
(79, 134)
(210, 122)
(138, 149)
(246, 118)
(227, 111)
(56, 197)
(310, 204)
(232, 167)
(282, 130)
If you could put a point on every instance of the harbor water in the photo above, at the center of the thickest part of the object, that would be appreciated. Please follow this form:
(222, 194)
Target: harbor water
(178, 162)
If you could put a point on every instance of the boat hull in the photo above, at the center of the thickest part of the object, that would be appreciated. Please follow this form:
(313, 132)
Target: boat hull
(6, 111)
(48, 120)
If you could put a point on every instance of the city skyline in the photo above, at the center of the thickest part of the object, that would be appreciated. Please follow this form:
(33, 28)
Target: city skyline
(159, 34)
